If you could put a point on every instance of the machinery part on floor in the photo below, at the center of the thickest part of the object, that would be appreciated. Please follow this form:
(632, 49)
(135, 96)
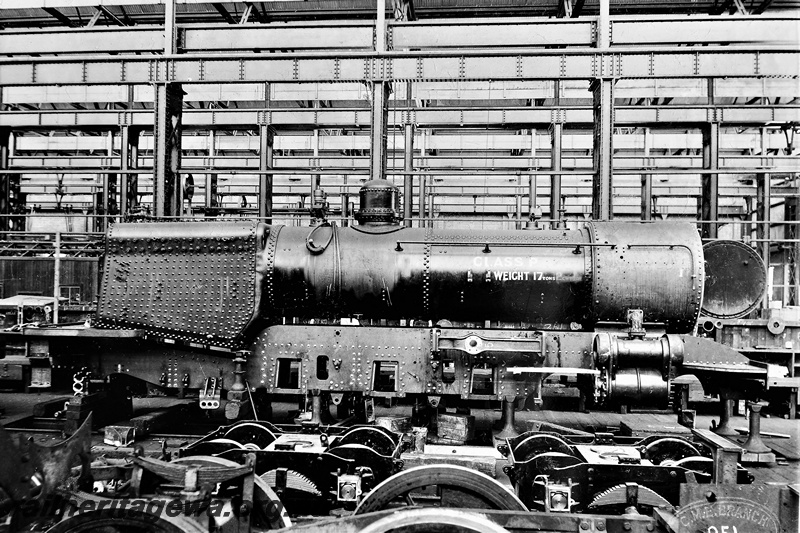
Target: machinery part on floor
(755, 451)
(724, 426)
(669, 449)
(434, 519)
(478, 487)
(34, 471)
(629, 495)
(735, 280)
(292, 480)
(251, 433)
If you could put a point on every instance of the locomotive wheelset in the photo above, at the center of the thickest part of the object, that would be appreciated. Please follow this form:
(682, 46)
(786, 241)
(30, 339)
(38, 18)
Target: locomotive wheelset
(379, 309)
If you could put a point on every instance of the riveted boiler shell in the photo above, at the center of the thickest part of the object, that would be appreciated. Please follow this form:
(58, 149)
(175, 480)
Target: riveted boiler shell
(526, 277)
(653, 266)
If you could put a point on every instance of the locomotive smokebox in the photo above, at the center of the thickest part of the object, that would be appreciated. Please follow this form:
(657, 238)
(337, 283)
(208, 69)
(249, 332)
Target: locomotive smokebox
(379, 204)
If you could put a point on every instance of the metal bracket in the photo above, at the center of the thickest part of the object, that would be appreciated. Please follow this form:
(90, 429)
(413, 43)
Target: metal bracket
(210, 393)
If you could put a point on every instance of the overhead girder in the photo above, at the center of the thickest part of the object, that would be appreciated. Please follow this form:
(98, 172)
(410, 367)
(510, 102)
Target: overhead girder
(491, 165)
(416, 66)
(462, 144)
(424, 35)
(451, 93)
(655, 116)
(197, 11)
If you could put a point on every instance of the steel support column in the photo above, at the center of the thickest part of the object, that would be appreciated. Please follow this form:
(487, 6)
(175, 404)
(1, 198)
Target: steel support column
(380, 103)
(265, 162)
(556, 134)
(108, 196)
(210, 186)
(408, 162)
(129, 155)
(763, 213)
(792, 216)
(647, 196)
(5, 181)
(167, 193)
(422, 200)
(709, 209)
(378, 133)
(647, 181)
(532, 200)
(211, 195)
(603, 152)
(170, 29)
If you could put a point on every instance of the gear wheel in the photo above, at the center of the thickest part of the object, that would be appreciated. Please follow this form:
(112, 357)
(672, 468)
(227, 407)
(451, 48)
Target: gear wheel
(618, 495)
(294, 480)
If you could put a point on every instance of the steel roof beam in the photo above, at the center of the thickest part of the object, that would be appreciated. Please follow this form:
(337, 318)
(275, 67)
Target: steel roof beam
(111, 16)
(223, 12)
(94, 19)
(500, 166)
(761, 7)
(661, 63)
(59, 16)
(426, 35)
(657, 116)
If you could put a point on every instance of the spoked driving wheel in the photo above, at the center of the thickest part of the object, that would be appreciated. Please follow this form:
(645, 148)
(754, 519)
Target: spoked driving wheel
(433, 521)
(442, 486)
(268, 511)
(125, 521)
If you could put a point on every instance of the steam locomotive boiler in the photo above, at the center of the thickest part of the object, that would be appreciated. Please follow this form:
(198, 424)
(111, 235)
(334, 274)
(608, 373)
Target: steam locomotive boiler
(381, 310)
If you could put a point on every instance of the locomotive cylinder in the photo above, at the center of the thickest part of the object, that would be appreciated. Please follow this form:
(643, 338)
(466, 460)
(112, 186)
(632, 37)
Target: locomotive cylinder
(642, 386)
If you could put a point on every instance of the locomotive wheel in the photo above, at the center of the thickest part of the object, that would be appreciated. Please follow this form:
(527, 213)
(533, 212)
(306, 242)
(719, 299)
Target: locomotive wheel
(251, 433)
(439, 520)
(669, 449)
(268, 511)
(547, 461)
(370, 437)
(125, 521)
(698, 465)
(538, 444)
(217, 447)
(457, 487)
